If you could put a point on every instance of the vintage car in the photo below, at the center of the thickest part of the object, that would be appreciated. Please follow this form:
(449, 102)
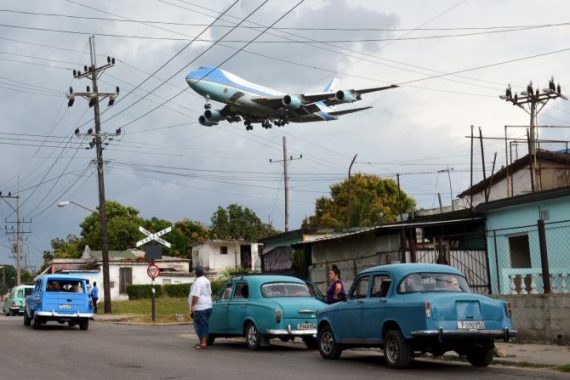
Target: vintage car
(14, 304)
(60, 298)
(261, 307)
(414, 308)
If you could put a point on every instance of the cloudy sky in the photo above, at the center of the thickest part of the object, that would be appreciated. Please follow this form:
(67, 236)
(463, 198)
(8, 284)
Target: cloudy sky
(451, 58)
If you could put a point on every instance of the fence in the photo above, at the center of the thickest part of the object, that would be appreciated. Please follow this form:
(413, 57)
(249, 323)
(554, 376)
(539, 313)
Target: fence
(530, 259)
(465, 251)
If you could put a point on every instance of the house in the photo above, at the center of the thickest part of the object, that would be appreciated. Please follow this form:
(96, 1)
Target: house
(455, 238)
(217, 255)
(545, 170)
(278, 255)
(513, 241)
(125, 268)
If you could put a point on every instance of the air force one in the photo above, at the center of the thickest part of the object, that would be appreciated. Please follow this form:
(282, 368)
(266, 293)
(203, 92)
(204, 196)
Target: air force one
(252, 103)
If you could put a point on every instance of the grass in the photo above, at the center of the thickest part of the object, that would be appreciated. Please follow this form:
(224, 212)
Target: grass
(168, 309)
(564, 368)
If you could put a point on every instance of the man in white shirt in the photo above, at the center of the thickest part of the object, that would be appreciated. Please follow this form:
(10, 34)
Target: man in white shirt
(200, 303)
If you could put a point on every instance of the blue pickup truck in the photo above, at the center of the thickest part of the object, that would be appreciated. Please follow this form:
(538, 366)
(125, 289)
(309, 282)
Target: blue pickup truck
(59, 298)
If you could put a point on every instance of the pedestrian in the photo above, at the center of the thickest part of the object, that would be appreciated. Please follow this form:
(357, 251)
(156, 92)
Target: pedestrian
(87, 288)
(95, 296)
(200, 303)
(335, 291)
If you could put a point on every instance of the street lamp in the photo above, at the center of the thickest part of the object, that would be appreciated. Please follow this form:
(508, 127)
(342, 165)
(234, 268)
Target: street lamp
(65, 203)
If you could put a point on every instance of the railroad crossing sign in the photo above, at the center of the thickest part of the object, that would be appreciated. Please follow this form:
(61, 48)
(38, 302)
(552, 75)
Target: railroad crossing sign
(155, 237)
(152, 271)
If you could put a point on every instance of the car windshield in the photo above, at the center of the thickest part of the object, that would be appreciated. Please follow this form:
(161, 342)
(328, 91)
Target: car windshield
(285, 289)
(24, 292)
(433, 282)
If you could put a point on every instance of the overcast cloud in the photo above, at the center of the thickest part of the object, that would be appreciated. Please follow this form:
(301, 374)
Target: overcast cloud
(418, 128)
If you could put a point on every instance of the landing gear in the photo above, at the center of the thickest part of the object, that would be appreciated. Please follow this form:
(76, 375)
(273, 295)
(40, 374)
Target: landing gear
(207, 106)
(281, 122)
(266, 124)
(248, 126)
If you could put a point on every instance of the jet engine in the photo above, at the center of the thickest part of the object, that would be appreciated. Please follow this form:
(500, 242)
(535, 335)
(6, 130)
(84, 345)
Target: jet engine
(344, 96)
(213, 115)
(202, 120)
(290, 101)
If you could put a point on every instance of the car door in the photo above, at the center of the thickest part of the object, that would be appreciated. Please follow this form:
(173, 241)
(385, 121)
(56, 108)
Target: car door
(237, 307)
(218, 322)
(34, 299)
(374, 307)
(348, 328)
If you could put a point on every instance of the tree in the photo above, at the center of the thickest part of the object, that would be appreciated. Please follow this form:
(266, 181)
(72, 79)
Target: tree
(71, 247)
(238, 223)
(374, 201)
(122, 227)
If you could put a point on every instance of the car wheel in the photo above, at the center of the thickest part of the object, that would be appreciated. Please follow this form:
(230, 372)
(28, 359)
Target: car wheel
(36, 322)
(311, 343)
(481, 356)
(396, 350)
(211, 339)
(328, 347)
(252, 337)
(7, 313)
(27, 320)
(84, 324)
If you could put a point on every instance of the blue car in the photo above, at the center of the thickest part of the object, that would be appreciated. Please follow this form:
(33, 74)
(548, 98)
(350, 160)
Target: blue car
(262, 307)
(59, 298)
(414, 308)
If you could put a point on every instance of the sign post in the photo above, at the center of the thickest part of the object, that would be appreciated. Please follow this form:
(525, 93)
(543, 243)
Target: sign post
(153, 271)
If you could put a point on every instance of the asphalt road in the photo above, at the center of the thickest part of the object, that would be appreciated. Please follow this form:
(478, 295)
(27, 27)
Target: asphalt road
(110, 351)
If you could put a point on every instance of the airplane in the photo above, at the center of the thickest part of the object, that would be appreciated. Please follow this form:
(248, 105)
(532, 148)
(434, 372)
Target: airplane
(253, 103)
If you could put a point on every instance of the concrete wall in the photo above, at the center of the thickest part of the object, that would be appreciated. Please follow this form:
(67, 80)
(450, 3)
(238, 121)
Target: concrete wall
(208, 255)
(541, 318)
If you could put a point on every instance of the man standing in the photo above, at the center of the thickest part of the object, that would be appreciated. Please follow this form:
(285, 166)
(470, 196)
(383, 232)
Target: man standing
(95, 296)
(200, 303)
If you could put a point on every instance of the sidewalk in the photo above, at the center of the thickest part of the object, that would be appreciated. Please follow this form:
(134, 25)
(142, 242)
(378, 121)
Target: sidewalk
(528, 355)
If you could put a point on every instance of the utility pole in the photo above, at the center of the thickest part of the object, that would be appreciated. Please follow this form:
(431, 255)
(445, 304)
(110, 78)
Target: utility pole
(93, 72)
(535, 102)
(450, 189)
(286, 161)
(18, 232)
(349, 217)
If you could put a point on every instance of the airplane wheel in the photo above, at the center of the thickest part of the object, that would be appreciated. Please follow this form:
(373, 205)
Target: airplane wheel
(207, 106)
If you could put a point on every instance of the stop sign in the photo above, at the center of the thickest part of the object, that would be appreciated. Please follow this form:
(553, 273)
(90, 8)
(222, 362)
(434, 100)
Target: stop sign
(152, 271)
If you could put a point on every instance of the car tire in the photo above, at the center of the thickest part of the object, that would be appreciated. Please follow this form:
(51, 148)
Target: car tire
(84, 324)
(481, 356)
(328, 347)
(397, 351)
(36, 322)
(7, 313)
(252, 337)
(311, 343)
(27, 320)
(211, 339)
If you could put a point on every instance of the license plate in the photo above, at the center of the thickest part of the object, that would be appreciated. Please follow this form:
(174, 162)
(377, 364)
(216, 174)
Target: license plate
(306, 326)
(471, 325)
(65, 306)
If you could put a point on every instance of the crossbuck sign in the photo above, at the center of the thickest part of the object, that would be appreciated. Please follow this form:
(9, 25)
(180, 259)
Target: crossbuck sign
(155, 237)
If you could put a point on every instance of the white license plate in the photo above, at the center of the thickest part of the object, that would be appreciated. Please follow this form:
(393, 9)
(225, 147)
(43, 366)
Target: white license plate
(306, 326)
(471, 325)
(65, 306)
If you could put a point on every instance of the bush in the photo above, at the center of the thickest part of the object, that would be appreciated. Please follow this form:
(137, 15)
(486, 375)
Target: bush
(137, 292)
(177, 290)
(217, 285)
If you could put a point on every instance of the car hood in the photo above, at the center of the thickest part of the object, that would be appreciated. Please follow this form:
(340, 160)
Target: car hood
(299, 307)
(465, 306)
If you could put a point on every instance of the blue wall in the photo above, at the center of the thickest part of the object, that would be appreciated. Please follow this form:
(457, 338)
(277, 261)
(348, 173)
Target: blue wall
(522, 219)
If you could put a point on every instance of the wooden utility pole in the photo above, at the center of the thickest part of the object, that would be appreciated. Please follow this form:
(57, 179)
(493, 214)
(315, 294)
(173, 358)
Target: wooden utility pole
(285, 162)
(93, 72)
(349, 216)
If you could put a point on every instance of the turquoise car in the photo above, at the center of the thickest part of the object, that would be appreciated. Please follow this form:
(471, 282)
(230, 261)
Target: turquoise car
(59, 298)
(262, 307)
(14, 305)
(414, 308)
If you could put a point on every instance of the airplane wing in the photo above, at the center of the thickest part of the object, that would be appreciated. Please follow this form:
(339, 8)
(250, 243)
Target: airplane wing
(329, 98)
(344, 112)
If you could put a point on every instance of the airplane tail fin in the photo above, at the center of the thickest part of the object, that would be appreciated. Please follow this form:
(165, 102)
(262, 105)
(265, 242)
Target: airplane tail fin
(332, 86)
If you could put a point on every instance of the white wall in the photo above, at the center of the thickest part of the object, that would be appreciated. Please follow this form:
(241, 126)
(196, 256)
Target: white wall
(208, 255)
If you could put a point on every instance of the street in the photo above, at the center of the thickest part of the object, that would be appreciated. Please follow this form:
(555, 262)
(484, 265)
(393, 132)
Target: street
(112, 351)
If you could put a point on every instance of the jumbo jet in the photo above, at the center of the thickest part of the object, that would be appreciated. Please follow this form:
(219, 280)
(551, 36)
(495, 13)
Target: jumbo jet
(252, 103)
